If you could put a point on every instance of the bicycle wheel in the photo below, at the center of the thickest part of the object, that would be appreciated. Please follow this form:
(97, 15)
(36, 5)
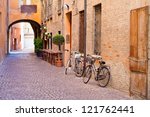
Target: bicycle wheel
(87, 74)
(103, 76)
(68, 66)
(78, 68)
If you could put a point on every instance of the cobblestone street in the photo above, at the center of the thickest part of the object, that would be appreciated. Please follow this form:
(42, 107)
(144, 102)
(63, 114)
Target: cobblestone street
(24, 76)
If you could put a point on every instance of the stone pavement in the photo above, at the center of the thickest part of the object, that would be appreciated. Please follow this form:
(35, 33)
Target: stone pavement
(24, 76)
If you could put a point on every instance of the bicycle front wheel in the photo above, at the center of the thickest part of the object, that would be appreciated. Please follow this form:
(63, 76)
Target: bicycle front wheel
(87, 74)
(68, 66)
(79, 68)
(103, 76)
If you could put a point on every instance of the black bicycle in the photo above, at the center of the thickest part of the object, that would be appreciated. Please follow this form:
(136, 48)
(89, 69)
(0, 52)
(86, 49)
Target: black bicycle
(101, 73)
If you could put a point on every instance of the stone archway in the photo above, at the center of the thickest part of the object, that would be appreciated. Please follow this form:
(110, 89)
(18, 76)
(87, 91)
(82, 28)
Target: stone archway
(35, 26)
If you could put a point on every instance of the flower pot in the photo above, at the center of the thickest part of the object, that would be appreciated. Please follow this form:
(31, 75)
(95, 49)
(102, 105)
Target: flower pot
(58, 62)
(39, 54)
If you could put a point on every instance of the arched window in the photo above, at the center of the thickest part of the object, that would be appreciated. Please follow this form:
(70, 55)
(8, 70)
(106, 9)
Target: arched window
(28, 2)
(20, 2)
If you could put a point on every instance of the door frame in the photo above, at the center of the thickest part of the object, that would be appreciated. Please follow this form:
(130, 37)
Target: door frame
(68, 35)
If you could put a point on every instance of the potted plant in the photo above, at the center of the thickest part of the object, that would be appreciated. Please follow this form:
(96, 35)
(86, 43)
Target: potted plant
(58, 39)
(38, 43)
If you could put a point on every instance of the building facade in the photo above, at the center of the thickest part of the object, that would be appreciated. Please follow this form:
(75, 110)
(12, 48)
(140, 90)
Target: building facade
(21, 37)
(23, 11)
(119, 30)
(3, 27)
(27, 36)
(15, 37)
(52, 16)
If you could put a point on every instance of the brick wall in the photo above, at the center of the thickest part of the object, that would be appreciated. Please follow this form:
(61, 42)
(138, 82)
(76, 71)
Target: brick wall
(115, 36)
(115, 41)
(15, 12)
(55, 23)
(3, 34)
(115, 33)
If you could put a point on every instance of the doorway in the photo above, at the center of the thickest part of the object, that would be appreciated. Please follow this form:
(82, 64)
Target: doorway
(81, 32)
(15, 44)
(139, 52)
(69, 29)
(68, 34)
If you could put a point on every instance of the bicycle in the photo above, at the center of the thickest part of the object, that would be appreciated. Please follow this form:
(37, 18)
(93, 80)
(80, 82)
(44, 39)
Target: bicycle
(79, 66)
(75, 63)
(101, 74)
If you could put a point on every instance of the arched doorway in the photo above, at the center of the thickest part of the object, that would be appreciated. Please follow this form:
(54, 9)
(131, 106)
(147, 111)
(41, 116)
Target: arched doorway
(35, 26)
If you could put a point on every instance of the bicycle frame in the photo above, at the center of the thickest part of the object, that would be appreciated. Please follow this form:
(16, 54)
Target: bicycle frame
(71, 60)
(98, 71)
(94, 70)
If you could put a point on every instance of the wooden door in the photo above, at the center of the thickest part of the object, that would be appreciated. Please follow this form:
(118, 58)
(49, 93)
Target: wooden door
(15, 44)
(69, 30)
(138, 52)
(97, 34)
(81, 33)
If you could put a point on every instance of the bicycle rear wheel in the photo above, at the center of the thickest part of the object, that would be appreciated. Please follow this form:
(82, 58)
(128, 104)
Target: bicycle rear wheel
(78, 68)
(103, 76)
(87, 74)
(68, 66)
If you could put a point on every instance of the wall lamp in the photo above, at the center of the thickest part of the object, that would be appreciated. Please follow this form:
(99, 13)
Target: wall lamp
(66, 6)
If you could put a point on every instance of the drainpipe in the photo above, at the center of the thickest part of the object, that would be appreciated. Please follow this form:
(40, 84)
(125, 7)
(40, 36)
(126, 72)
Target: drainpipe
(85, 25)
(7, 24)
(62, 20)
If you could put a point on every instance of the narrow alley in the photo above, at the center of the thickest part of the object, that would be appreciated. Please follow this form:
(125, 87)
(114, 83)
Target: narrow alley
(24, 76)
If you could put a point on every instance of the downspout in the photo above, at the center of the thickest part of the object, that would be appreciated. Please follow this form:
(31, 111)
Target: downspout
(62, 29)
(62, 20)
(7, 24)
(85, 26)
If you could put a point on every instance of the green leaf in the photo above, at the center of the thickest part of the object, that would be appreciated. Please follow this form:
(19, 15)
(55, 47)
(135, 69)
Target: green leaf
(58, 39)
(38, 43)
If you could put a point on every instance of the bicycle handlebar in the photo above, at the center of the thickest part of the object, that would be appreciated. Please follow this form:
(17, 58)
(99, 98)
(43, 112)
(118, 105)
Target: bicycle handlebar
(94, 56)
(76, 52)
(88, 55)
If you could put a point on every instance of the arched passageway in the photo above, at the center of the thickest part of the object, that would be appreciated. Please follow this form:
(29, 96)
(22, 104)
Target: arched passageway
(35, 26)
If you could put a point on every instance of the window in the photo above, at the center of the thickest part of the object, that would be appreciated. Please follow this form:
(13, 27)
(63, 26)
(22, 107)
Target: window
(42, 11)
(97, 29)
(28, 2)
(46, 9)
(59, 32)
(59, 7)
(24, 2)
(49, 8)
(20, 3)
